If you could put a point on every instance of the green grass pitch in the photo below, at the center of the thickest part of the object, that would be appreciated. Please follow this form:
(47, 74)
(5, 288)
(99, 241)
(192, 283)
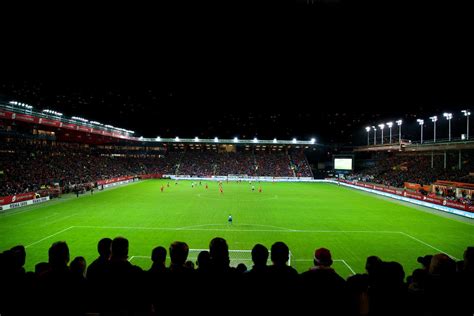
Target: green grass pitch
(306, 216)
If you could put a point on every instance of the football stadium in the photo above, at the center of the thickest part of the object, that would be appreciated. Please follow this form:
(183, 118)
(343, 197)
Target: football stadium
(91, 211)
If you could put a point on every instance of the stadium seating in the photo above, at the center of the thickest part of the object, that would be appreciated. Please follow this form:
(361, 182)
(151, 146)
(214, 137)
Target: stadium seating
(29, 166)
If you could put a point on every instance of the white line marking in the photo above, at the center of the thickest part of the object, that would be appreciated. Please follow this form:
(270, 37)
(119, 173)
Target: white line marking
(131, 258)
(239, 230)
(344, 261)
(47, 237)
(426, 244)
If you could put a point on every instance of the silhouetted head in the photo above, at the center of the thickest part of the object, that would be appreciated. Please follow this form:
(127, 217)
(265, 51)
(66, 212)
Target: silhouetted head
(178, 253)
(18, 254)
(280, 253)
(442, 264)
(241, 268)
(469, 259)
(103, 247)
(158, 255)
(78, 266)
(203, 260)
(219, 252)
(259, 255)
(119, 248)
(58, 254)
(322, 257)
(371, 264)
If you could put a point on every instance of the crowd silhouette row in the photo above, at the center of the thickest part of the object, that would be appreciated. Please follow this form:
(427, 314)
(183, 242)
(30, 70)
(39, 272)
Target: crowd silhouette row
(112, 285)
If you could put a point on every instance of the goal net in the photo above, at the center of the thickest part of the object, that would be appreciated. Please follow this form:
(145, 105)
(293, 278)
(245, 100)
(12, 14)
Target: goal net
(235, 256)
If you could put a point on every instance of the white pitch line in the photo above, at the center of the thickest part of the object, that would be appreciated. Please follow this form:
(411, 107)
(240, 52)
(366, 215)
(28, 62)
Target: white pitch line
(131, 258)
(344, 261)
(426, 244)
(47, 237)
(239, 230)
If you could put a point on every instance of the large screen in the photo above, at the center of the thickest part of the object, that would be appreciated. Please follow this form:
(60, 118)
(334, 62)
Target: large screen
(342, 163)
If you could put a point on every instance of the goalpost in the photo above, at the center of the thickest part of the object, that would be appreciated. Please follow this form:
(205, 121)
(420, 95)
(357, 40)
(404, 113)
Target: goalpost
(235, 256)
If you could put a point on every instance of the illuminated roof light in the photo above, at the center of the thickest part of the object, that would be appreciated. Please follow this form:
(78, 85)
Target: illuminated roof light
(274, 140)
(420, 121)
(158, 138)
(313, 140)
(177, 139)
(466, 112)
(433, 118)
(196, 139)
(390, 124)
(236, 139)
(294, 140)
(448, 116)
(255, 140)
(399, 122)
(216, 139)
(382, 126)
(367, 129)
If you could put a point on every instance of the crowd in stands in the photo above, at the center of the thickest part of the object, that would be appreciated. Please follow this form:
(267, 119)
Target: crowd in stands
(394, 170)
(29, 166)
(300, 164)
(112, 285)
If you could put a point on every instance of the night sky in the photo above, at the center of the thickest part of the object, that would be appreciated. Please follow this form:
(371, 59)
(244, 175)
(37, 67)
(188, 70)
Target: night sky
(324, 70)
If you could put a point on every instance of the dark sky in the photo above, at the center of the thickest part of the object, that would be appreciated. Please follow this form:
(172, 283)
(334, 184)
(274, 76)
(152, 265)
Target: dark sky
(324, 70)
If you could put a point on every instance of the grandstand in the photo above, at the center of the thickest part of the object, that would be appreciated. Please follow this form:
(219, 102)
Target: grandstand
(291, 247)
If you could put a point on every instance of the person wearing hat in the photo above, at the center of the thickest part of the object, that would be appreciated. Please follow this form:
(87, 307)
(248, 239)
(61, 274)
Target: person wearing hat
(322, 283)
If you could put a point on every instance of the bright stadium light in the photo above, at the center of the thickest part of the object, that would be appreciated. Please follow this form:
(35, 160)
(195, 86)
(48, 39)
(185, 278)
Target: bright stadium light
(274, 140)
(367, 129)
(141, 138)
(255, 140)
(236, 139)
(158, 138)
(448, 116)
(375, 135)
(76, 118)
(399, 123)
(196, 139)
(421, 122)
(52, 112)
(382, 126)
(467, 113)
(96, 123)
(177, 139)
(313, 140)
(216, 139)
(390, 124)
(434, 119)
(294, 141)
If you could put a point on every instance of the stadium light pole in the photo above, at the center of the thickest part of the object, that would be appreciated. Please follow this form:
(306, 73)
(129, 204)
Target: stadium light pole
(390, 124)
(449, 116)
(467, 113)
(382, 126)
(421, 122)
(399, 123)
(375, 135)
(434, 119)
(367, 129)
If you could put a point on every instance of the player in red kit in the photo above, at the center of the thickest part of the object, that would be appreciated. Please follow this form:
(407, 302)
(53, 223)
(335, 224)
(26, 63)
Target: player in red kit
(260, 189)
(220, 189)
(207, 186)
(162, 188)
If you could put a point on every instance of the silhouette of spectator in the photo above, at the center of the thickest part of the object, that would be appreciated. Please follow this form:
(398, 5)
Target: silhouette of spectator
(157, 279)
(78, 284)
(54, 284)
(178, 254)
(96, 273)
(124, 281)
(323, 284)
(203, 262)
(189, 265)
(98, 266)
(241, 268)
(283, 279)
(158, 257)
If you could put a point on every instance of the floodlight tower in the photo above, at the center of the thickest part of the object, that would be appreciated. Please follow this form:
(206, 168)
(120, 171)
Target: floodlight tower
(467, 113)
(381, 128)
(375, 135)
(399, 123)
(421, 122)
(390, 124)
(367, 129)
(449, 116)
(434, 119)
